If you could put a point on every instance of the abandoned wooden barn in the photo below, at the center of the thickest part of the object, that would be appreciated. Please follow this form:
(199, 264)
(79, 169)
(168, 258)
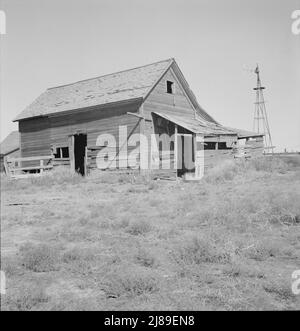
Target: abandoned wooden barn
(65, 123)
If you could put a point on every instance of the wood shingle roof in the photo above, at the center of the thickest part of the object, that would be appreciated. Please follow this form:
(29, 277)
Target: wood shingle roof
(121, 86)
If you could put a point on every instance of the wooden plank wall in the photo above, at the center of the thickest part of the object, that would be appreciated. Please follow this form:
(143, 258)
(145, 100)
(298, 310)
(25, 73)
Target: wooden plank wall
(253, 148)
(94, 123)
(38, 135)
(93, 154)
(34, 137)
(161, 101)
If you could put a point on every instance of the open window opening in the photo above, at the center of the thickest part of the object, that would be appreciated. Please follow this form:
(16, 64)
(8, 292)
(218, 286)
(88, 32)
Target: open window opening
(223, 145)
(170, 87)
(61, 153)
(210, 145)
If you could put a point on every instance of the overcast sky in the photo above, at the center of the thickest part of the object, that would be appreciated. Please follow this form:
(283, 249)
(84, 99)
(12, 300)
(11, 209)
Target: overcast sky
(54, 42)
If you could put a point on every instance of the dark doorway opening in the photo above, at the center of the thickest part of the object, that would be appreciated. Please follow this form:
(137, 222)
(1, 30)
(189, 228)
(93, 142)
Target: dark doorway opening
(80, 143)
(185, 154)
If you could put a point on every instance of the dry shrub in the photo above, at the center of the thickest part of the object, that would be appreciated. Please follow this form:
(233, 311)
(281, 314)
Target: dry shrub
(80, 261)
(280, 288)
(145, 258)
(293, 161)
(200, 249)
(229, 169)
(117, 177)
(39, 258)
(77, 254)
(267, 164)
(100, 176)
(124, 280)
(263, 250)
(11, 267)
(224, 171)
(126, 178)
(284, 208)
(267, 206)
(250, 208)
(153, 185)
(138, 189)
(29, 297)
(241, 268)
(136, 177)
(138, 227)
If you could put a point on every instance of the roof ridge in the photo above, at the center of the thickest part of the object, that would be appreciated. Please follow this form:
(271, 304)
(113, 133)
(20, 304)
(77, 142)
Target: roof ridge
(113, 73)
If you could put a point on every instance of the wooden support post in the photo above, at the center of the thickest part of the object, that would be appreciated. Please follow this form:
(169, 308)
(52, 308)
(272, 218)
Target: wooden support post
(199, 156)
(143, 148)
(176, 149)
(85, 161)
(71, 154)
(142, 122)
(42, 166)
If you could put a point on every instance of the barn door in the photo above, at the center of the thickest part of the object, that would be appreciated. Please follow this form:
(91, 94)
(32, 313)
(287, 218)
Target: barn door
(185, 154)
(190, 156)
(80, 143)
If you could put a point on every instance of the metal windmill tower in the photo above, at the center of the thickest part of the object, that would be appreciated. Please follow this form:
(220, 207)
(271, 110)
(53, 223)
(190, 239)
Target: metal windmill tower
(260, 123)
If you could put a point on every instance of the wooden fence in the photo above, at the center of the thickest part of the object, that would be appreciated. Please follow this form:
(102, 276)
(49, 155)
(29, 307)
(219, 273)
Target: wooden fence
(17, 168)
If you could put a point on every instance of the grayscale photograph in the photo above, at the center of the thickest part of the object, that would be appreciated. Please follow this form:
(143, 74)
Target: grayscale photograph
(150, 158)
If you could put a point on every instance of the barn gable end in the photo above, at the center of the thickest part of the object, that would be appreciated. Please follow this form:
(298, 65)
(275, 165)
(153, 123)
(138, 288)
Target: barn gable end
(175, 103)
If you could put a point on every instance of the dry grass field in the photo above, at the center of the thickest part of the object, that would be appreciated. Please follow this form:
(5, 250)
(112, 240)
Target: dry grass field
(125, 242)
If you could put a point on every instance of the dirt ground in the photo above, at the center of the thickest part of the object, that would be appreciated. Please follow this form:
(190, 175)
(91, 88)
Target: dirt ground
(125, 242)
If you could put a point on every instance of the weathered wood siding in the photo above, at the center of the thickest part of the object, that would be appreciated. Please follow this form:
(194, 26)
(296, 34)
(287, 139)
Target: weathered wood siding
(39, 135)
(35, 137)
(93, 123)
(161, 101)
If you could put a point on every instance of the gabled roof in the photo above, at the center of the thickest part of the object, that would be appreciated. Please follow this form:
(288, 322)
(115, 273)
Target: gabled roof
(127, 85)
(121, 86)
(10, 144)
